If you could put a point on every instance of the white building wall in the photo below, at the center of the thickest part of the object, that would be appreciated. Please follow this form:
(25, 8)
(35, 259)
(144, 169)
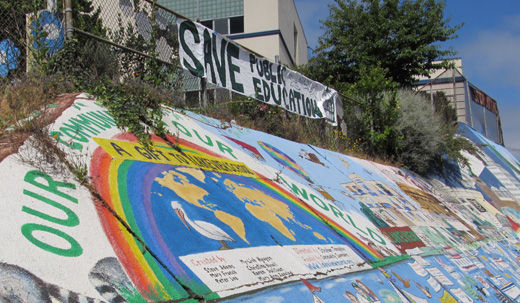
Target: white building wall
(455, 91)
(445, 72)
(260, 15)
(292, 29)
(274, 15)
(267, 46)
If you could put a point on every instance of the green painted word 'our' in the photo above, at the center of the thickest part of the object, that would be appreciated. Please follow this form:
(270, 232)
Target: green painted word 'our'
(69, 219)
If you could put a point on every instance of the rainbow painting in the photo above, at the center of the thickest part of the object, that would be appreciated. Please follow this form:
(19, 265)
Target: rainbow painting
(284, 160)
(149, 238)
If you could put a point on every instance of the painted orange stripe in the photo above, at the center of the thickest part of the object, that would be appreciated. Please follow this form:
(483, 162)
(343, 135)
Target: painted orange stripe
(112, 227)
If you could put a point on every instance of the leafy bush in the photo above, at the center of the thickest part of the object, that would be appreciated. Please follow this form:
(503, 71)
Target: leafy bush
(421, 130)
(428, 133)
(27, 97)
(84, 63)
(371, 115)
(135, 106)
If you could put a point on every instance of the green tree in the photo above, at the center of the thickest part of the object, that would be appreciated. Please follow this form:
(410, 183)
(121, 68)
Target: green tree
(400, 36)
(372, 115)
(86, 18)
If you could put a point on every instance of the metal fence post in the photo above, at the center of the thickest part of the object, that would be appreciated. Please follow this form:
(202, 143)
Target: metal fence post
(68, 19)
(203, 93)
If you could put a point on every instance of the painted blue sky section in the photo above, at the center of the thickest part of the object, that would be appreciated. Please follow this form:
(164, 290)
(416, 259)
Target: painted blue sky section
(496, 152)
(403, 282)
(328, 170)
(347, 182)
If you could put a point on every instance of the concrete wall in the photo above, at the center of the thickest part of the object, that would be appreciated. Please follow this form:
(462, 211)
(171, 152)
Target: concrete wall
(445, 72)
(267, 46)
(256, 19)
(242, 215)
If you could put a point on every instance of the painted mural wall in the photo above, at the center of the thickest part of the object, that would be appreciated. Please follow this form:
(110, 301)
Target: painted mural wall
(225, 213)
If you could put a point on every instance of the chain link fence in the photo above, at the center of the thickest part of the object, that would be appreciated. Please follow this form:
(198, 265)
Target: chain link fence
(140, 29)
(121, 38)
(29, 31)
(136, 26)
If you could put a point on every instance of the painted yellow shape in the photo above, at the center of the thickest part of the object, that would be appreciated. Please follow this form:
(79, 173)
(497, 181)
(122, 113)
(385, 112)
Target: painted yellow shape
(159, 154)
(181, 186)
(194, 172)
(234, 222)
(319, 236)
(447, 298)
(304, 226)
(264, 207)
(264, 214)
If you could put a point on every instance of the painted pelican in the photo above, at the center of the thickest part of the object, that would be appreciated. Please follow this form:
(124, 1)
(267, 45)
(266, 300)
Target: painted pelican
(204, 228)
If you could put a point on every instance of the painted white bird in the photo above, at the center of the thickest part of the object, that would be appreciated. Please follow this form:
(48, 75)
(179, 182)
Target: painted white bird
(204, 228)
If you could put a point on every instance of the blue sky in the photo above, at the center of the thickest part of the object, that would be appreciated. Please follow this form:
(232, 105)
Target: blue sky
(488, 43)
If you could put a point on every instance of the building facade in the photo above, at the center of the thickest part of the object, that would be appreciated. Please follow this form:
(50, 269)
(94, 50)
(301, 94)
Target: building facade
(271, 28)
(474, 107)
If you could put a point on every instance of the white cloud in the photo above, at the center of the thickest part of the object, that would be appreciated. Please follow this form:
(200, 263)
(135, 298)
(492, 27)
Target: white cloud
(493, 56)
(274, 299)
(330, 285)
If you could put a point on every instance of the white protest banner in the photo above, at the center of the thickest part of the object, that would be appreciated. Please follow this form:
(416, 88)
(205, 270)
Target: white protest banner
(207, 54)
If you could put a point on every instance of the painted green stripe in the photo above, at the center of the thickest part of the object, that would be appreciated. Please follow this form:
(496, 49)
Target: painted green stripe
(129, 214)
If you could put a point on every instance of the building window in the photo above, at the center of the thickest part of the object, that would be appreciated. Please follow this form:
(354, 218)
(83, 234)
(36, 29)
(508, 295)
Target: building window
(295, 43)
(221, 26)
(207, 23)
(225, 26)
(236, 25)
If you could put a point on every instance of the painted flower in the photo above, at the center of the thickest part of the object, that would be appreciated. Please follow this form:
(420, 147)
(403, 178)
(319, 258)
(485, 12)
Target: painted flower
(8, 57)
(53, 30)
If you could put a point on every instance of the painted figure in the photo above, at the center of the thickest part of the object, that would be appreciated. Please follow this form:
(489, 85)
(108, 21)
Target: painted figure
(204, 228)
(350, 297)
(364, 293)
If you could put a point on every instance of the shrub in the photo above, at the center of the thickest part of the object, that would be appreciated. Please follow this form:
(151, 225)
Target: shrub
(27, 97)
(421, 132)
(372, 114)
(428, 133)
